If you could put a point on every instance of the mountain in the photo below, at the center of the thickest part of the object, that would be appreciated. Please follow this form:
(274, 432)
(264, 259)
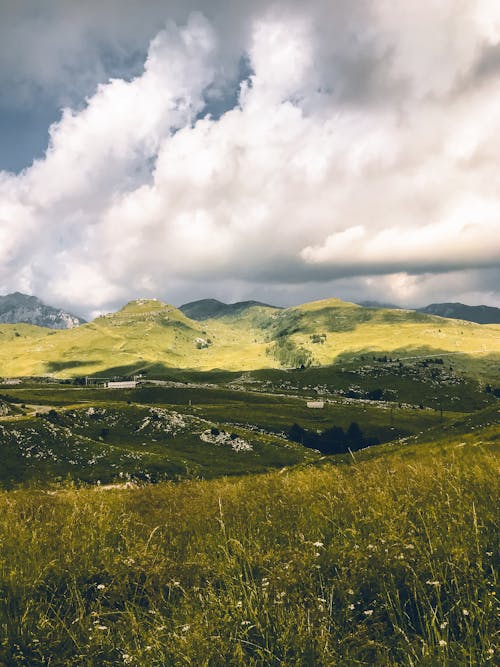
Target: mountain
(206, 309)
(154, 337)
(460, 311)
(17, 307)
(378, 304)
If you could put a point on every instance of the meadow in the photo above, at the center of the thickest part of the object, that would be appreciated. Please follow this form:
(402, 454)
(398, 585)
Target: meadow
(392, 560)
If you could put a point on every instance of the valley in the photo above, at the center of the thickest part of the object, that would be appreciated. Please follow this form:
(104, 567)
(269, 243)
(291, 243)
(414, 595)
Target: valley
(306, 486)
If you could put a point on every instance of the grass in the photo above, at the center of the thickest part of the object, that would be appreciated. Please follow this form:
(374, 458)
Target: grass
(149, 334)
(390, 561)
(155, 433)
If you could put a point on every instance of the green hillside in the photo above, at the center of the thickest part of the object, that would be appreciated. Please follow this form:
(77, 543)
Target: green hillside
(149, 334)
(388, 558)
(206, 309)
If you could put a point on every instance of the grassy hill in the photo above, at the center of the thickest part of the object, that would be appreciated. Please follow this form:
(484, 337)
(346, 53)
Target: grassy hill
(206, 309)
(153, 335)
(56, 432)
(387, 558)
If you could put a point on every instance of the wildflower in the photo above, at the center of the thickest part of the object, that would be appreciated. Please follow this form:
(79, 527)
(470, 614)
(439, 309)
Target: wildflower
(318, 544)
(443, 625)
(442, 642)
(368, 612)
(239, 604)
(127, 658)
(350, 592)
(102, 627)
(433, 583)
(409, 546)
(101, 587)
(351, 607)
(465, 612)
(185, 628)
(265, 582)
(321, 600)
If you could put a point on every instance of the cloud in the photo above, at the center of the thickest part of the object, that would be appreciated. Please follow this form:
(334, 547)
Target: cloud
(349, 156)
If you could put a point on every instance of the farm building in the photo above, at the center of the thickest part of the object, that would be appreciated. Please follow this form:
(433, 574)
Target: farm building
(315, 404)
(128, 384)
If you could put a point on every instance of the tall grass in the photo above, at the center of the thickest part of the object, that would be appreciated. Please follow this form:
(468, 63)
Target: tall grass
(387, 562)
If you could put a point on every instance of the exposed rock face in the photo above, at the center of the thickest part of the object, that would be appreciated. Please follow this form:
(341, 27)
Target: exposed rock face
(17, 307)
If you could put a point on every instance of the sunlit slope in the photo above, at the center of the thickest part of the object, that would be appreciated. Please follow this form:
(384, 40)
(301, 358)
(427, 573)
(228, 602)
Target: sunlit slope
(142, 334)
(148, 334)
(330, 329)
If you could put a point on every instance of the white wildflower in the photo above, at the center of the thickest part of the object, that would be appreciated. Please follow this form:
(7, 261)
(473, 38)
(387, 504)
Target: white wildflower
(318, 544)
(368, 612)
(101, 587)
(442, 642)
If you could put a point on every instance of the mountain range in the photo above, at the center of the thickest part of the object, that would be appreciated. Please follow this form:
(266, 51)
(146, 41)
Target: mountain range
(152, 336)
(18, 307)
(22, 308)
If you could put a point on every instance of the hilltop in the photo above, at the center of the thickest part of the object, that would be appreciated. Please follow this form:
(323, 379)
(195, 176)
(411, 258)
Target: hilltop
(206, 309)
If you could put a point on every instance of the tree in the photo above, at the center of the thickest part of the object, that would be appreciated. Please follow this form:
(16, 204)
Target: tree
(354, 434)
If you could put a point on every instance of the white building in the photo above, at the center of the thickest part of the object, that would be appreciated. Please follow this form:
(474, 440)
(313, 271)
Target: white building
(316, 404)
(128, 384)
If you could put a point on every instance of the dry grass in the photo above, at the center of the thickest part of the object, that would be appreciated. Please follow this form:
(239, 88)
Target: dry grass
(385, 562)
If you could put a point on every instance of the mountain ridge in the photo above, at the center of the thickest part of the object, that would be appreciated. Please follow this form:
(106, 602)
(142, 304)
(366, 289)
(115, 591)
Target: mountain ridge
(459, 311)
(18, 308)
(204, 309)
(150, 334)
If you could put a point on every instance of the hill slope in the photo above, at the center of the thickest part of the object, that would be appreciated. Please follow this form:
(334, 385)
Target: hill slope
(17, 307)
(206, 309)
(148, 334)
(389, 561)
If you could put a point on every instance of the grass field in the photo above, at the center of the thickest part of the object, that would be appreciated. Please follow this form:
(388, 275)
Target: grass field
(388, 561)
(150, 335)
(57, 432)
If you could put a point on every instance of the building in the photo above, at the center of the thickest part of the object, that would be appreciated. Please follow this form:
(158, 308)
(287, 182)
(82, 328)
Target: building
(126, 384)
(315, 404)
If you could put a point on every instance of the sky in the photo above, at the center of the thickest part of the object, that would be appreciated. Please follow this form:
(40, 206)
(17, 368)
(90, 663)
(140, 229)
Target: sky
(279, 151)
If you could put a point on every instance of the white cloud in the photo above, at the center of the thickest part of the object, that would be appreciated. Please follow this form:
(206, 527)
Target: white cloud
(306, 181)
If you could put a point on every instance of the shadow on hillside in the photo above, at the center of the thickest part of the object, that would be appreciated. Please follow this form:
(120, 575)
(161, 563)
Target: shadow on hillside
(57, 366)
(159, 371)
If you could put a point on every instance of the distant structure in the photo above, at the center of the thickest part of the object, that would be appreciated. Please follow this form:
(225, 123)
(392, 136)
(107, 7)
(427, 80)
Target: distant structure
(315, 404)
(126, 384)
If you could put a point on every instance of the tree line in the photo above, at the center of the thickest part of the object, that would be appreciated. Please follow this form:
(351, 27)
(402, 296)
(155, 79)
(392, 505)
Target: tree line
(333, 440)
